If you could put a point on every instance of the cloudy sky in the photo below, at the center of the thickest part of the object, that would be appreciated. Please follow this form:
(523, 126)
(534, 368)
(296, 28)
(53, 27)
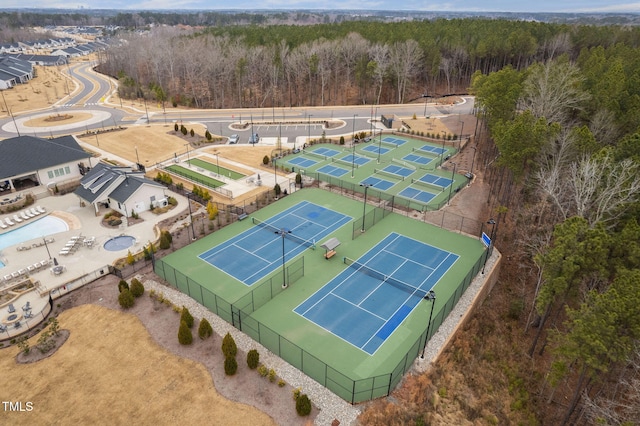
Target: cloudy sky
(453, 5)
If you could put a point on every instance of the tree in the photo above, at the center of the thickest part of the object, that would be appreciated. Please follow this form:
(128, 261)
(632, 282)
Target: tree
(230, 366)
(130, 259)
(186, 317)
(122, 285)
(253, 359)
(137, 289)
(298, 179)
(229, 348)
(207, 135)
(175, 127)
(126, 299)
(212, 210)
(184, 334)
(204, 329)
(497, 94)
(277, 190)
(192, 133)
(165, 239)
(265, 160)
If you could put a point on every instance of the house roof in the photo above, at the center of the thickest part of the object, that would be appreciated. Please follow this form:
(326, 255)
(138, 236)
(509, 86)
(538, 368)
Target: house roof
(25, 154)
(105, 181)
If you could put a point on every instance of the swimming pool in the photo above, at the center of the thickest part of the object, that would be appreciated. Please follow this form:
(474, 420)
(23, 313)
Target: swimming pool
(38, 228)
(119, 243)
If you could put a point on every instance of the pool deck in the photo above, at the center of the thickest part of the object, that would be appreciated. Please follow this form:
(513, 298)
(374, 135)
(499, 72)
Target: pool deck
(82, 222)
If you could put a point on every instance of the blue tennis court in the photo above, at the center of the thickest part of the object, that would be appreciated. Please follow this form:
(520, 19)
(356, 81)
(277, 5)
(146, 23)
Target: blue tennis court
(393, 141)
(414, 158)
(435, 180)
(353, 159)
(332, 170)
(433, 149)
(302, 162)
(367, 301)
(378, 183)
(398, 170)
(376, 149)
(252, 255)
(324, 153)
(417, 194)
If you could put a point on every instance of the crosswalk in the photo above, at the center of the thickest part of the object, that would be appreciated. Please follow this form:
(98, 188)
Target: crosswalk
(84, 105)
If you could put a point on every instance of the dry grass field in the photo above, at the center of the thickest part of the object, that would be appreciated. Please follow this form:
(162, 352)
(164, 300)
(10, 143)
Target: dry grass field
(48, 87)
(111, 370)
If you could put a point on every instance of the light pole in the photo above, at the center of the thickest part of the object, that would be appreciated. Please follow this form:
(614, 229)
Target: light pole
(486, 257)
(364, 205)
(460, 137)
(431, 295)
(137, 157)
(444, 137)
(453, 175)
(218, 164)
(472, 161)
(424, 95)
(353, 144)
(309, 134)
(9, 112)
(379, 145)
(188, 159)
(193, 232)
(282, 232)
(275, 176)
(47, 247)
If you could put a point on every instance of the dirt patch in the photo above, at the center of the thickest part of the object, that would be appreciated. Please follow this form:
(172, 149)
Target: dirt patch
(35, 355)
(58, 118)
(48, 87)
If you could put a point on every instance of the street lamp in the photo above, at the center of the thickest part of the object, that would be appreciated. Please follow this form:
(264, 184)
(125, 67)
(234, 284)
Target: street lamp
(9, 112)
(282, 232)
(47, 247)
(473, 159)
(188, 159)
(137, 157)
(364, 206)
(309, 134)
(353, 144)
(460, 137)
(431, 295)
(486, 257)
(275, 176)
(218, 164)
(193, 232)
(453, 175)
(444, 137)
(424, 95)
(379, 145)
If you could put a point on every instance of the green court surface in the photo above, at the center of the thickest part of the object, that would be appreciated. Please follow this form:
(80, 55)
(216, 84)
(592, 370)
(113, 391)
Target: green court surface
(197, 162)
(408, 190)
(195, 176)
(265, 311)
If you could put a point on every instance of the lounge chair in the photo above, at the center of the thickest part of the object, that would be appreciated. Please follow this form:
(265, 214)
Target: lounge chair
(16, 218)
(28, 314)
(3, 328)
(41, 209)
(3, 226)
(25, 215)
(27, 307)
(12, 309)
(34, 211)
(31, 268)
(8, 221)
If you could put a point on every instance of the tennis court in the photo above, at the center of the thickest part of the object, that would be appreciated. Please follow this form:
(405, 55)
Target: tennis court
(368, 300)
(376, 149)
(323, 152)
(435, 181)
(302, 162)
(393, 141)
(419, 159)
(401, 172)
(417, 194)
(432, 149)
(354, 159)
(255, 253)
(332, 170)
(378, 183)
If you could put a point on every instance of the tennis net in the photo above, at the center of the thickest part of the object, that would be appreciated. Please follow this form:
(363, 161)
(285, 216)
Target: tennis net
(386, 173)
(288, 235)
(407, 288)
(390, 143)
(428, 185)
(351, 163)
(315, 154)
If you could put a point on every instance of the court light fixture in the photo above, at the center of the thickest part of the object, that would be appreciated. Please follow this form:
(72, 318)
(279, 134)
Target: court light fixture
(431, 295)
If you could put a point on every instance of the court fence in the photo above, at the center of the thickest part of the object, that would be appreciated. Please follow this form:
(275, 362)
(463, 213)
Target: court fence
(238, 313)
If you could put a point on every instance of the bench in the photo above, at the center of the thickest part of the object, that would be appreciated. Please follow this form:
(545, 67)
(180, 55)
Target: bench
(242, 216)
(328, 255)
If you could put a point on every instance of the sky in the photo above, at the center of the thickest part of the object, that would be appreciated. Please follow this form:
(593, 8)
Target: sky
(557, 6)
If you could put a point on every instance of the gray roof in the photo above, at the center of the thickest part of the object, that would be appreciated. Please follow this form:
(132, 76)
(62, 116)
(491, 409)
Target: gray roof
(98, 184)
(26, 154)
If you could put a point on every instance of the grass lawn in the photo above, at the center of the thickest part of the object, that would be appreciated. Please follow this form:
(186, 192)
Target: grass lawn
(214, 168)
(195, 176)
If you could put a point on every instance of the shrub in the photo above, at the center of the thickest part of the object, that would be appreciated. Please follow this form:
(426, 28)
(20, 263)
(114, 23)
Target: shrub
(272, 375)
(184, 334)
(186, 316)
(230, 366)
(229, 348)
(23, 345)
(253, 359)
(296, 393)
(277, 190)
(122, 285)
(192, 133)
(281, 383)
(263, 371)
(130, 259)
(165, 239)
(341, 140)
(208, 135)
(175, 125)
(45, 342)
(126, 299)
(265, 160)
(298, 178)
(303, 405)
(204, 329)
(137, 289)
(54, 326)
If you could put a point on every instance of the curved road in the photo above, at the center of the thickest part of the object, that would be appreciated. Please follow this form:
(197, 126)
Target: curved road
(93, 90)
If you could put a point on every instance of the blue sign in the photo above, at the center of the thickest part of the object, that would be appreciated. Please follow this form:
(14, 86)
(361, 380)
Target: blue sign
(486, 240)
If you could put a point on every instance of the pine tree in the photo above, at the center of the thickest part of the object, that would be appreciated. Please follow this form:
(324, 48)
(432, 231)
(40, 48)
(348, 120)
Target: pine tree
(184, 334)
(229, 348)
(186, 316)
(253, 359)
(204, 329)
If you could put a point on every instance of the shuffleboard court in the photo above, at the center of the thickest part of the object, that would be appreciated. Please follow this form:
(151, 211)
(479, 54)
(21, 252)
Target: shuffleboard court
(302, 162)
(419, 159)
(195, 176)
(417, 194)
(332, 170)
(381, 184)
(215, 168)
(376, 149)
(252, 255)
(368, 300)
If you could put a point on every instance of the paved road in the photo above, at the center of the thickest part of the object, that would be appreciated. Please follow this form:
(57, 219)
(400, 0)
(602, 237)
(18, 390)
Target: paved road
(291, 124)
